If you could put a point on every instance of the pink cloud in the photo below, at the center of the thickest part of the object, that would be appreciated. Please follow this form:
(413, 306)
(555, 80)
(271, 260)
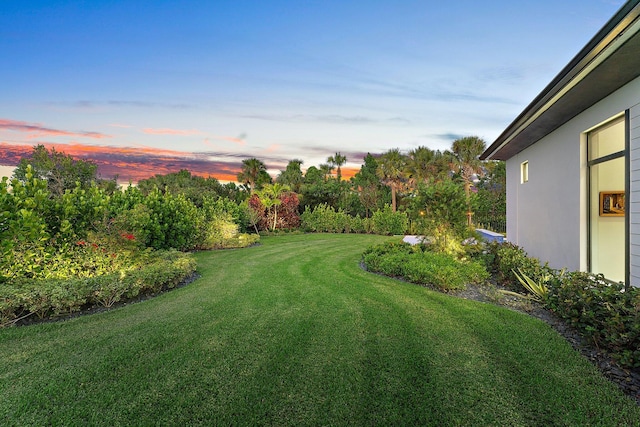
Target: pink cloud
(272, 148)
(166, 131)
(238, 141)
(35, 130)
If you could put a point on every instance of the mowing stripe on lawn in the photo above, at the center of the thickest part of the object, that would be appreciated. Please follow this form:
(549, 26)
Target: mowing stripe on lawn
(294, 332)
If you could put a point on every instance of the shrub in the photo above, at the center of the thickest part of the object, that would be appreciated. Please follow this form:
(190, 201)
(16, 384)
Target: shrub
(418, 265)
(23, 229)
(54, 297)
(439, 205)
(605, 312)
(387, 222)
(324, 219)
(357, 224)
(159, 221)
(510, 258)
(108, 290)
(77, 212)
(281, 211)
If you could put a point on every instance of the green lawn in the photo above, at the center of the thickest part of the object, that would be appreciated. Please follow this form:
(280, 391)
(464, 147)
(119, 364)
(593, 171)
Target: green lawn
(293, 332)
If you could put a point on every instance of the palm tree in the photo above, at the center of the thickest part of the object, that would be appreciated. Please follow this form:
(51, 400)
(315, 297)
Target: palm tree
(338, 160)
(326, 170)
(420, 165)
(252, 170)
(392, 171)
(467, 163)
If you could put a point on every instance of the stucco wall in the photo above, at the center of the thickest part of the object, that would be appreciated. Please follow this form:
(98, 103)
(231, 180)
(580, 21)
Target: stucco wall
(542, 214)
(547, 215)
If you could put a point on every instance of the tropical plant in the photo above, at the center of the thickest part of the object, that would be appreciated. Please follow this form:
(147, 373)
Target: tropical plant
(254, 173)
(391, 170)
(338, 160)
(326, 169)
(538, 290)
(270, 198)
(23, 229)
(276, 206)
(292, 175)
(467, 163)
(424, 165)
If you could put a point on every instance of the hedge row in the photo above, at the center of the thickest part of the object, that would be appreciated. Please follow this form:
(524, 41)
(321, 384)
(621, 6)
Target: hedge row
(47, 298)
(326, 219)
(419, 265)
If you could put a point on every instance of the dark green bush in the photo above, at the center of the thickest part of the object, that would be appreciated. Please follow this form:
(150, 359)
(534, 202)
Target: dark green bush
(387, 222)
(509, 258)
(326, 219)
(605, 312)
(440, 205)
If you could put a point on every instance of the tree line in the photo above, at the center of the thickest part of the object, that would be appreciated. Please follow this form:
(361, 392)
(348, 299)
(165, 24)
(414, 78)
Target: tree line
(392, 178)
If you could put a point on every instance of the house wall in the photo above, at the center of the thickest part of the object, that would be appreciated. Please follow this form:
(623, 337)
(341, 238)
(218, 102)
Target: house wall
(547, 215)
(543, 213)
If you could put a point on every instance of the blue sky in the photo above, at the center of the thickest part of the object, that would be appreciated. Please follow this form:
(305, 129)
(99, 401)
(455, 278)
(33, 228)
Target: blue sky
(147, 86)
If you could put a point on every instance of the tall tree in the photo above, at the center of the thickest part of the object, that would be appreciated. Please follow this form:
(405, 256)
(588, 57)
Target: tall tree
(193, 187)
(420, 165)
(425, 165)
(370, 190)
(338, 160)
(392, 171)
(61, 171)
(253, 173)
(292, 175)
(467, 164)
(313, 175)
(326, 169)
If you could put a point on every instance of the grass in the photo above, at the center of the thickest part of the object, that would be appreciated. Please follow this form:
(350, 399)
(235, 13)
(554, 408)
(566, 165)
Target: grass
(293, 332)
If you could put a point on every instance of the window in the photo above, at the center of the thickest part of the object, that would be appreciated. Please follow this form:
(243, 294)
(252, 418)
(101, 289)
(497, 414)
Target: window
(607, 183)
(524, 172)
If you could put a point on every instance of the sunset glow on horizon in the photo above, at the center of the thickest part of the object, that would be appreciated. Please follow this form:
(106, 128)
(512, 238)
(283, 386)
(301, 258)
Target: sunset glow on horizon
(132, 164)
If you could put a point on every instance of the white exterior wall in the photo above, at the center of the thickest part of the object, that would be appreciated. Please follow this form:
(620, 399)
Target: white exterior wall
(547, 215)
(543, 213)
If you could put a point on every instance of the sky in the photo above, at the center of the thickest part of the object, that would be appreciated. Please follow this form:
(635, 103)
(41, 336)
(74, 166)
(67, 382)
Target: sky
(152, 87)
